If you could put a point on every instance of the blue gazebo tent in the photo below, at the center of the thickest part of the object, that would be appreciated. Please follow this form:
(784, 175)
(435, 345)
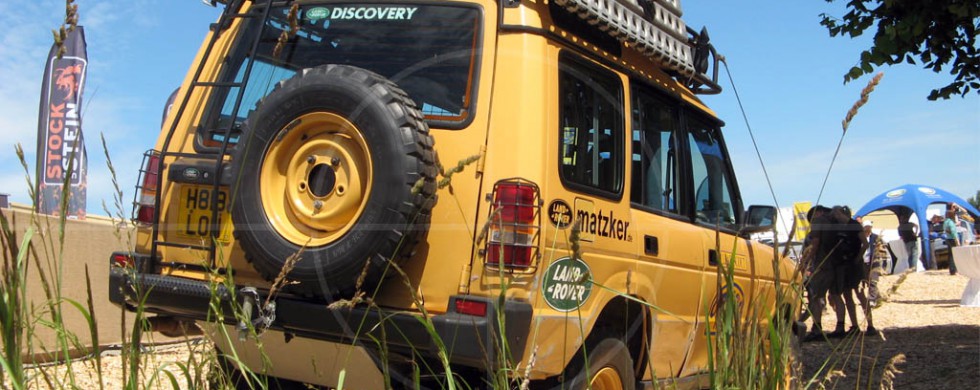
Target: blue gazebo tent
(909, 198)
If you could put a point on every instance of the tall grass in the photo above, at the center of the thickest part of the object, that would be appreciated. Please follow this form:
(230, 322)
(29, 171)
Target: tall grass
(13, 311)
(757, 350)
(38, 253)
(20, 317)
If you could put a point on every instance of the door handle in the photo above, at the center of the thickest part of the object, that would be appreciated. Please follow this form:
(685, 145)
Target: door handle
(650, 245)
(712, 257)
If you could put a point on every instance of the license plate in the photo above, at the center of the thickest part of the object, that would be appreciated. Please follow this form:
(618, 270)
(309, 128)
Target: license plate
(194, 213)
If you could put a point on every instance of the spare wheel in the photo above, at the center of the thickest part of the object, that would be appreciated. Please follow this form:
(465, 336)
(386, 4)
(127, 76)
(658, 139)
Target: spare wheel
(328, 168)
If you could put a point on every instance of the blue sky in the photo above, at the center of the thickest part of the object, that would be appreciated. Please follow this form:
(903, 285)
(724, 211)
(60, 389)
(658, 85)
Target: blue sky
(787, 69)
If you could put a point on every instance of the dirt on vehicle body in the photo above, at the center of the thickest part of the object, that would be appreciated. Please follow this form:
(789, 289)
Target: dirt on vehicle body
(303, 186)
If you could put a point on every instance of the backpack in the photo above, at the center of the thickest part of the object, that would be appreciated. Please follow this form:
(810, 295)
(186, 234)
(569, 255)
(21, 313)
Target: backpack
(848, 243)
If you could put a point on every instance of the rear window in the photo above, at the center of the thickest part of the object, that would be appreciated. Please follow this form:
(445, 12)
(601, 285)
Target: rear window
(430, 51)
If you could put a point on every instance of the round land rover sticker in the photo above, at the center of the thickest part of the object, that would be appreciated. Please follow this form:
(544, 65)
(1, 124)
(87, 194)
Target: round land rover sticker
(317, 13)
(560, 214)
(567, 284)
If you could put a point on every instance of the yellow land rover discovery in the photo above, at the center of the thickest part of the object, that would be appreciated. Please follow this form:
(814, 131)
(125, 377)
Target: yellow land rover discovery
(392, 193)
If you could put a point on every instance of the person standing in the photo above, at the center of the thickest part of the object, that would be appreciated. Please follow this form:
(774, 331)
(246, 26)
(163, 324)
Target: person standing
(952, 237)
(872, 269)
(909, 233)
(848, 269)
(820, 244)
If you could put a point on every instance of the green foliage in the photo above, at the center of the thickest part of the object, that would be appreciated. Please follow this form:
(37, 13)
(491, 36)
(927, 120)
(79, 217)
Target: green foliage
(940, 35)
(13, 311)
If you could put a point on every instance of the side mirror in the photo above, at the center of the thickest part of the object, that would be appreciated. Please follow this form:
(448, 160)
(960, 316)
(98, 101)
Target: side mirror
(758, 219)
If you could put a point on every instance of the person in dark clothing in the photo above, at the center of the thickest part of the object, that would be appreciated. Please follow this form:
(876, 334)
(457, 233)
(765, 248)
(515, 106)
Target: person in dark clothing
(818, 247)
(952, 237)
(909, 234)
(848, 267)
(807, 264)
(872, 270)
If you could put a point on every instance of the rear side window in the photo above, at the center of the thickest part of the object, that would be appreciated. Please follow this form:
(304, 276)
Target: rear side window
(591, 127)
(654, 158)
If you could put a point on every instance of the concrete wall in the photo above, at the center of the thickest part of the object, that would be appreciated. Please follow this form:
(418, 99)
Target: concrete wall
(87, 244)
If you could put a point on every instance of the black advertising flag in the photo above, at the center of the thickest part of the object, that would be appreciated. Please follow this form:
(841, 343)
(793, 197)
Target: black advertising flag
(61, 157)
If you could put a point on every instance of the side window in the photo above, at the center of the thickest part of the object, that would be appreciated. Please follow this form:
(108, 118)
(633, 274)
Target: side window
(591, 127)
(710, 170)
(654, 151)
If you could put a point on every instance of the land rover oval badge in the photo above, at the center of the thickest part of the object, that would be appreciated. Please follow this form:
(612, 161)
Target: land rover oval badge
(560, 214)
(318, 13)
(567, 284)
(191, 173)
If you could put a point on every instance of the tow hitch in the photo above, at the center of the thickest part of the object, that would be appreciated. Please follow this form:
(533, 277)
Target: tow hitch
(263, 318)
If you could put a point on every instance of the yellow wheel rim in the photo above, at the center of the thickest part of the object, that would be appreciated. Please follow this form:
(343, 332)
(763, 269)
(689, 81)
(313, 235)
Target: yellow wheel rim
(606, 379)
(315, 179)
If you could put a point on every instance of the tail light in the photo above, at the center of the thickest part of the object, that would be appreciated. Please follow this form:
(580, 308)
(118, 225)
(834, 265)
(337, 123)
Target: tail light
(122, 260)
(473, 308)
(130, 260)
(515, 221)
(144, 206)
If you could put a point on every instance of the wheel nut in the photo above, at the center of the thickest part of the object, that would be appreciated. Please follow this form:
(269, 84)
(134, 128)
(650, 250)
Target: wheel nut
(317, 204)
(335, 161)
(311, 159)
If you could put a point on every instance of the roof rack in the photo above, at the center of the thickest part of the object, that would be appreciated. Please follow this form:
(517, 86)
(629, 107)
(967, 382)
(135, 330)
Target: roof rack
(655, 28)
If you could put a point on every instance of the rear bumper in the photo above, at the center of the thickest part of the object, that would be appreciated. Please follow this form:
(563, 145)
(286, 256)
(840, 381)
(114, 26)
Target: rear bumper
(469, 340)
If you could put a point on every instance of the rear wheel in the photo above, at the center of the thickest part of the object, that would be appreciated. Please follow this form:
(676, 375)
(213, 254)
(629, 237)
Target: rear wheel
(606, 365)
(611, 366)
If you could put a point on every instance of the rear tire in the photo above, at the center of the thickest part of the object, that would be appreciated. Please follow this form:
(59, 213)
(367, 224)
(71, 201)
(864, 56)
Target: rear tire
(608, 366)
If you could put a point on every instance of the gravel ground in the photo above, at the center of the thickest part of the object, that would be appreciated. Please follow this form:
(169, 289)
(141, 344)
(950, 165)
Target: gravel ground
(161, 362)
(921, 320)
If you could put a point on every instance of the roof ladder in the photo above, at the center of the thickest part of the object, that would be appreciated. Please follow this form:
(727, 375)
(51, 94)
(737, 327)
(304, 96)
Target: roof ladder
(227, 17)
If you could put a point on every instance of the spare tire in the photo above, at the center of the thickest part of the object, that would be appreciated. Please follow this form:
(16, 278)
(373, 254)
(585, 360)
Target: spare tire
(328, 168)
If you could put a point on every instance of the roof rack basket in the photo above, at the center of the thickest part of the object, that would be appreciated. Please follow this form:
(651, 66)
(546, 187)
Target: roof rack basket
(655, 28)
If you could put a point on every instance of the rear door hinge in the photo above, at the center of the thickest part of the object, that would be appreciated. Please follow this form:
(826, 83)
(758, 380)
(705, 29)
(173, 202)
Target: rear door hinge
(483, 159)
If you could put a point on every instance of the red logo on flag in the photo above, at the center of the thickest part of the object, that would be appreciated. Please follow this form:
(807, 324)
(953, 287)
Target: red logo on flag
(67, 79)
